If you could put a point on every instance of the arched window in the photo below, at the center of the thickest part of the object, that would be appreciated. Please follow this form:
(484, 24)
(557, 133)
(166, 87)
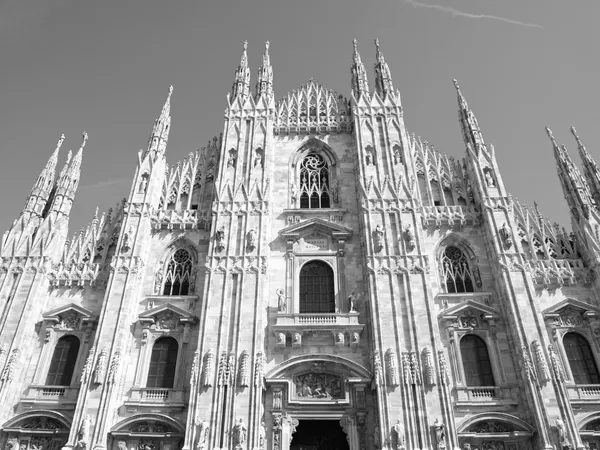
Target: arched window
(316, 288)
(476, 361)
(581, 359)
(179, 272)
(63, 361)
(314, 182)
(161, 373)
(456, 271)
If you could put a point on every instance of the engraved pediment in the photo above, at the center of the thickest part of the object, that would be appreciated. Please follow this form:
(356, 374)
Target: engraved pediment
(571, 313)
(318, 226)
(166, 317)
(69, 317)
(469, 314)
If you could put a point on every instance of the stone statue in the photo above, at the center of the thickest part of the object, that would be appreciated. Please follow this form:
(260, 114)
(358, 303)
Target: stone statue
(294, 192)
(239, 433)
(251, 239)
(12, 444)
(378, 238)
(562, 433)
(262, 436)
(202, 434)
(121, 445)
(376, 440)
(281, 304)
(335, 191)
(231, 159)
(352, 299)
(281, 338)
(440, 434)
(83, 437)
(398, 435)
(368, 157)
(409, 238)
(220, 237)
(489, 180)
(143, 184)
(258, 159)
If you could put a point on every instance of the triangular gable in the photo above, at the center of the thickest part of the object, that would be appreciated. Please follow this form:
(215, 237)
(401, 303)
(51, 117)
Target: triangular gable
(316, 224)
(469, 305)
(183, 315)
(586, 309)
(59, 314)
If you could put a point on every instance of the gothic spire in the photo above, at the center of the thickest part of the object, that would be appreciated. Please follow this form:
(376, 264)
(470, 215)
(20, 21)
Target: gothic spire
(360, 85)
(574, 186)
(160, 131)
(383, 76)
(68, 181)
(40, 193)
(590, 168)
(241, 85)
(468, 122)
(264, 83)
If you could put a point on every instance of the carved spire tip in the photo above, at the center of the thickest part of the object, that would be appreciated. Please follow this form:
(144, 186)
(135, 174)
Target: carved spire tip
(245, 45)
(267, 44)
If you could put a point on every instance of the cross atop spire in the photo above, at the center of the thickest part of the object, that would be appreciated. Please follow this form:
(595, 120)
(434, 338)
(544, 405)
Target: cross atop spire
(241, 84)
(383, 76)
(264, 83)
(360, 85)
(468, 122)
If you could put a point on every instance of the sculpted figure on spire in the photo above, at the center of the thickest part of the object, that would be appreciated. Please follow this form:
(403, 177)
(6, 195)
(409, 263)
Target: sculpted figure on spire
(383, 76)
(360, 85)
(241, 84)
(264, 83)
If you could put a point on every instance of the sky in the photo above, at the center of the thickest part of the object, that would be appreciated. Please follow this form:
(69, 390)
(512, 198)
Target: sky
(70, 66)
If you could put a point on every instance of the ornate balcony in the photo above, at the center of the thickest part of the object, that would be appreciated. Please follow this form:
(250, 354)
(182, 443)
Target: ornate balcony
(451, 216)
(60, 397)
(151, 397)
(468, 396)
(343, 326)
(584, 393)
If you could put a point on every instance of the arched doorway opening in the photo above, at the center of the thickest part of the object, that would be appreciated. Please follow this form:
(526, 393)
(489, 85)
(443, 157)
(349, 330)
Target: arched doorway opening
(319, 435)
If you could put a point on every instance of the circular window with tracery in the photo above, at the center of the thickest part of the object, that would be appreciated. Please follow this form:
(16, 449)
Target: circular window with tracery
(179, 272)
(456, 271)
(314, 182)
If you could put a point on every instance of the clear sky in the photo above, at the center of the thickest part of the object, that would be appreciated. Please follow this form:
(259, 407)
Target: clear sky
(104, 67)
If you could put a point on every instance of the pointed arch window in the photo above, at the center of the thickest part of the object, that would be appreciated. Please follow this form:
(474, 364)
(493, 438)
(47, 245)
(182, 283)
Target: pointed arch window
(476, 361)
(581, 359)
(179, 272)
(161, 373)
(62, 364)
(314, 182)
(316, 288)
(456, 271)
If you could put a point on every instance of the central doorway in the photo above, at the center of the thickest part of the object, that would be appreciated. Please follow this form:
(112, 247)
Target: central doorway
(319, 435)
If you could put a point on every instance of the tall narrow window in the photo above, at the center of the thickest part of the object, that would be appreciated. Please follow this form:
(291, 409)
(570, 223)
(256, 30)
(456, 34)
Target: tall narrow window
(581, 359)
(161, 373)
(63, 362)
(314, 182)
(179, 271)
(456, 271)
(476, 361)
(316, 288)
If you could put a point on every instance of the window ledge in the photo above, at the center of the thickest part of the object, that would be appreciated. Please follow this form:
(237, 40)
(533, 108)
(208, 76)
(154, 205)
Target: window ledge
(57, 396)
(454, 298)
(584, 393)
(140, 397)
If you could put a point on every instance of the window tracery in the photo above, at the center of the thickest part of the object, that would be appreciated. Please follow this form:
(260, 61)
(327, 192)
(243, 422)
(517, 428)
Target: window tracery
(178, 275)
(456, 272)
(314, 182)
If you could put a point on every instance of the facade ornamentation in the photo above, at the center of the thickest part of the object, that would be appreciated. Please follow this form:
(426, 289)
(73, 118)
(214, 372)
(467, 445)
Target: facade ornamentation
(352, 301)
(540, 361)
(220, 238)
(244, 369)
(407, 375)
(101, 363)
(378, 235)
(251, 239)
(506, 237)
(414, 368)
(444, 376)
(313, 386)
(113, 371)
(203, 429)
(392, 367)
(11, 364)
(207, 369)
(239, 433)
(556, 364)
(409, 238)
(83, 436)
(195, 369)
(398, 436)
(527, 364)
(377, 369)
(281, 303)
(439, 430)
(88, 367)
(428, 368)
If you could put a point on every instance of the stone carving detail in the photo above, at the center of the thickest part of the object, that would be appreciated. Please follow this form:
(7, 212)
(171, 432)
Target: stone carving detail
(207, 368)
(203, 428)
(414, 368)
(42, 423)
(391, 361)
(527, 364)
(8, 372)
(195, 370)
(378, 235)
(540, 361)
(127, 238)
(569, 317)
(409, 238)
(230, 369)
(376, 438)
(281, 303)
(397, 436)
(352, 302)
(506, 237)
(165, 320)
(220, 238)
(83, 435)
(150, 427)
(439, 430)
(428, 368)
(113, 371)
(259, 369)
(277, 399)
(251, 240)
(88, 367)
(12, 444)
(345, 423)
(491, 427)
(239, 433)
(318, 386)
(244, 369)
(407, 377)
(377, 369)
(3, 354)
(222, 374)
(69, 321)
(100, 371)
(158, 279)
(556, 365)
(489, 180)
(444, 376)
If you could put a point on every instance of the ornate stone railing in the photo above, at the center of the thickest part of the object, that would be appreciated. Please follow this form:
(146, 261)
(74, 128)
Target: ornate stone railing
(586, 393)
(547, 272)
(179, 219)
(478, 394)
(156, 396)
(344, 327)
(450, 216)
(38, 394)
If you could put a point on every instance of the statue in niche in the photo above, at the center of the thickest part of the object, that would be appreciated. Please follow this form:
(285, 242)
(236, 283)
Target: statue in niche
(352, 300)
(368, 156)
(231, 158)
(220, 237)
(251, 239)
(398, 435)
(293, 192)
(440, 434)
(202, 434)
(143, 184)
(505, 235)
(376, 441)
(258, 159)
(262, 436)
(126, 246)
(378, 238)
(335, 191)
(489, 180)
(158, 278)
(281, 303)
(397, 156)
(239, 433)
(121, 445)
(409, 238)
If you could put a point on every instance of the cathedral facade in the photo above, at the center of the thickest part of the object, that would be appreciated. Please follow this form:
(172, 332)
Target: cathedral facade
(314, 278)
